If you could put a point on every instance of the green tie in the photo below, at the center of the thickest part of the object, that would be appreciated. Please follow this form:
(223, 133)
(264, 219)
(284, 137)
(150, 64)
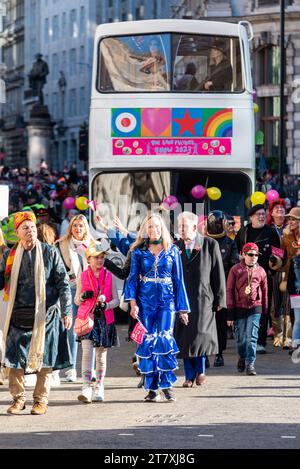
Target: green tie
(188, 253)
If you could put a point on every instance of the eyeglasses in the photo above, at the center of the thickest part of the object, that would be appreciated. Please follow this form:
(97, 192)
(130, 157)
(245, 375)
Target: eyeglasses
(251, 254)
(231, 223)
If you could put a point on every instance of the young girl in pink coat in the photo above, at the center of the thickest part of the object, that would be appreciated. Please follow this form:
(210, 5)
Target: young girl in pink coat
(96, 295)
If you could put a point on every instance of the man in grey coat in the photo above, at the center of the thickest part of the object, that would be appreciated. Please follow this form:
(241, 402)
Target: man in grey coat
(206, 289)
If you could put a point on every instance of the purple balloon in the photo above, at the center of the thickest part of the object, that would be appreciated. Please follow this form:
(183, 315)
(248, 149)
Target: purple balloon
(272, 195)
(198, 192)
(69, 203)
(254, 94)
(170, 202)
(53, 194)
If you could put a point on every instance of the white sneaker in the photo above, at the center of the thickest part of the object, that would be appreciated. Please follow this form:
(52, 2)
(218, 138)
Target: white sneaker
(86, 394)
(30, 380)
(55, 379)
(71, 376)
(98, 395)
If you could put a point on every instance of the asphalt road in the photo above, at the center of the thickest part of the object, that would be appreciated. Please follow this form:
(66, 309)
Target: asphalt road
(230, 411)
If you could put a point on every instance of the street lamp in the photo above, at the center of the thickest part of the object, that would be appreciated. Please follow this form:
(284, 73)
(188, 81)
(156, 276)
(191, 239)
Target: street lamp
(281, 152)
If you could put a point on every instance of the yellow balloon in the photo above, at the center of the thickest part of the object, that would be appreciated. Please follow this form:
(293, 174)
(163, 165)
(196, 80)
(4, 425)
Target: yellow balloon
(81, 203)
(258, 198)
(255, 107)
(214, 193)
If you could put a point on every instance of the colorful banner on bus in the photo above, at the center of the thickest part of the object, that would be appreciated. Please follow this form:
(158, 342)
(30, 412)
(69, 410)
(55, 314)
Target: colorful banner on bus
(152, 131)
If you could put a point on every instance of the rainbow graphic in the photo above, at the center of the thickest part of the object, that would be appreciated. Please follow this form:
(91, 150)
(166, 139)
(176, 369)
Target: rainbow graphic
(219, 124)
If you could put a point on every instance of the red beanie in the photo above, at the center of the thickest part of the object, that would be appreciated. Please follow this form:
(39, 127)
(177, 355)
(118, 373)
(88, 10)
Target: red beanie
(250, 247)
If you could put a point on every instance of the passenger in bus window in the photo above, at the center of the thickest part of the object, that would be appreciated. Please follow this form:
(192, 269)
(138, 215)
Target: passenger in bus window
(219, 76)
(188, 81)
(156, 63)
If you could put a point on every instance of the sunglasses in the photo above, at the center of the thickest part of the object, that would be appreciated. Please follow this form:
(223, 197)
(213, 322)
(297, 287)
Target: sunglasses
(251, 254)
(231, 223)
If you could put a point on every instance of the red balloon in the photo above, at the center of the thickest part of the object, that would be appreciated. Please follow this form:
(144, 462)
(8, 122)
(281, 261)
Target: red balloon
(198, 192)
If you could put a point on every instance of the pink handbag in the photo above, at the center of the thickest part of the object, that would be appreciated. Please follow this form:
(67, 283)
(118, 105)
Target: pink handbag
(83, 326)
(138, 332)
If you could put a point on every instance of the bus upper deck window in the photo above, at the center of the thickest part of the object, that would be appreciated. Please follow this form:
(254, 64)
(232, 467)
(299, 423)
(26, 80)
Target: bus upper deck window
(206, 64)
(134, 63)
(170, 62)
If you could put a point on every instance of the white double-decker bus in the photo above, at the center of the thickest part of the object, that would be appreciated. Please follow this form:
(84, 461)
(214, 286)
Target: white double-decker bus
(171, 108)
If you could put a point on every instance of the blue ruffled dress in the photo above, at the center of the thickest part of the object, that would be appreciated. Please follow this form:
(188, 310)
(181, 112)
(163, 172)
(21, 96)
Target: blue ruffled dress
(157, 285)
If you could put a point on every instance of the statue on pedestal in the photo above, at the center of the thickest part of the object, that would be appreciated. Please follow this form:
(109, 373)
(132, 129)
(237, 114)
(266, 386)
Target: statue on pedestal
(37, 77)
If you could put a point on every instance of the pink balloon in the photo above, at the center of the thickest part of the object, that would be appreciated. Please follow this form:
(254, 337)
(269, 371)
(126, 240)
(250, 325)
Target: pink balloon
(69, 203)
(272, 195)
(198, 192)
(170, 202)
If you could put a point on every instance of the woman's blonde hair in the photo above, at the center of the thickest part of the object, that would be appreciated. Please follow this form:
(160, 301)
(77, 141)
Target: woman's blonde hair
(68, 235)
(165, 235)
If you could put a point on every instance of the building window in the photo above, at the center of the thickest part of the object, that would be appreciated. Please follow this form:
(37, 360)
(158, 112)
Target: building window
(269, 65)
(55, 28)
(82, 101)
(82, 21)
(73, 24)
(64, 61)
(82, 59)
(33, 13)
(55, 67)
(73, 62)
(72, 103)
(64, 24)
(46, 31)
(270, 112)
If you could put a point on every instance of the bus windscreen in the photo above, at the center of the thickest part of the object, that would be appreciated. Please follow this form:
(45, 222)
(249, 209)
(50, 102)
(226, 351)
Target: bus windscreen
(170, 62)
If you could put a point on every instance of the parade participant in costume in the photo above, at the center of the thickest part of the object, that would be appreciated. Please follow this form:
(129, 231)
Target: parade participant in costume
(34, 339)
(290, 242)
(279, 308)
(72, 247)
(156, 292)
(205, 284)
(96, 295)
(247, 299)
(216, 228)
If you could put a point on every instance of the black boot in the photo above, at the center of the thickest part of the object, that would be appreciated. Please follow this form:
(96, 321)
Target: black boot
(219, 360)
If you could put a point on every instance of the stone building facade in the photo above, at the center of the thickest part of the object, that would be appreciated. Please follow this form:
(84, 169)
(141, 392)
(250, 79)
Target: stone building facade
(12, 128)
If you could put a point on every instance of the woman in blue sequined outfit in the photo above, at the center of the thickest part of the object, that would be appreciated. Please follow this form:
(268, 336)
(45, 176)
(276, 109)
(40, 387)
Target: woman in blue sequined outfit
(156, 291)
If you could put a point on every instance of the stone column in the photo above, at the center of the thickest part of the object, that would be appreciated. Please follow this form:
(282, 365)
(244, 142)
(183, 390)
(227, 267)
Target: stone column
(39, 130)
